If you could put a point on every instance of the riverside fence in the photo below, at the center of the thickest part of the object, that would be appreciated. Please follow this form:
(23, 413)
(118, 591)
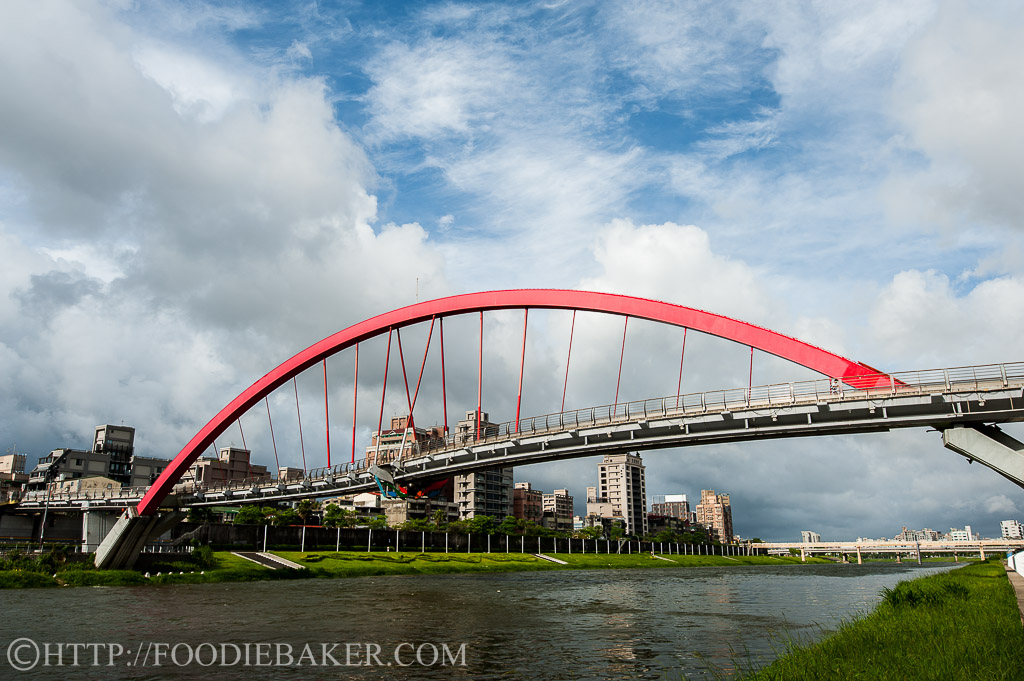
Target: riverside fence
(316, 538)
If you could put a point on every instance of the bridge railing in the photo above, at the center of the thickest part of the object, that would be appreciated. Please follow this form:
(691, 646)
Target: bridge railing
(955, 379)
(125, 493)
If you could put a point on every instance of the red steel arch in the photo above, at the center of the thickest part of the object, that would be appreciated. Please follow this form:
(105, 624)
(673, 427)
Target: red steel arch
(758, 337)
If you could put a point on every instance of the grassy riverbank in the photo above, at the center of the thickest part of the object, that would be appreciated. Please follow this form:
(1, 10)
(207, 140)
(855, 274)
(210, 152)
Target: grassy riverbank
(955, 626)
(226, 567)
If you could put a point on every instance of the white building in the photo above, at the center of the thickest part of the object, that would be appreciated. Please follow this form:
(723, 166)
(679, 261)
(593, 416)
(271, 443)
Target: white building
(961, 535)
(1011, 529)
(808, 537)
(621, 483)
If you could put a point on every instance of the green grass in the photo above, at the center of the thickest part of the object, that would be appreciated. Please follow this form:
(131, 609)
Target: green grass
(231, 568)
(952, 626)
(23, 579)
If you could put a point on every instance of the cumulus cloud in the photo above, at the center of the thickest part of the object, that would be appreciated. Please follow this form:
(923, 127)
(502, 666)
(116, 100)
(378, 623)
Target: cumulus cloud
(959, 93)
(230, 216)
(922, 318)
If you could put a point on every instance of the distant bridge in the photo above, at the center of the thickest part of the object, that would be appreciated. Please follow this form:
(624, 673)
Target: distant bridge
(982, 547)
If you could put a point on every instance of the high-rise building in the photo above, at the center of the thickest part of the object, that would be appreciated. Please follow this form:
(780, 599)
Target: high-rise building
(715, 513)
(527, 503)
(231, 465)
(1011, 529)
(557, 510)
(112, 456)
(918, 535)
(621, 483)
(398, 442)
(487, 492)
(961, 535)
(672, 506)
(809, 537)
(12, 477)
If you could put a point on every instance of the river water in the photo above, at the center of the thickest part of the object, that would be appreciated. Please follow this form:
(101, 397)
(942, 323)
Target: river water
(593, 624)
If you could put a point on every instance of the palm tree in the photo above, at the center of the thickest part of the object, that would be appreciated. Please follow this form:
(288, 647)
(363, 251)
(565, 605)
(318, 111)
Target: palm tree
(305, 507)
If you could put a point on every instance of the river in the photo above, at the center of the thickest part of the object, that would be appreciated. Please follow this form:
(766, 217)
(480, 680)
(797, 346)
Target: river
(592, 624)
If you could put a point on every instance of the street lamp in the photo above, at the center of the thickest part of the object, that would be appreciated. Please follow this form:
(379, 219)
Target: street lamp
(49, 477)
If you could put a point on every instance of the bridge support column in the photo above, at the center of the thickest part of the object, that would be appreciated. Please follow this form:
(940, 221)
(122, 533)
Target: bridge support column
(859, 560)
(917, 548)
(981, 550)
(95, 526)
(126, 539)
(989, 446)
(803, 555)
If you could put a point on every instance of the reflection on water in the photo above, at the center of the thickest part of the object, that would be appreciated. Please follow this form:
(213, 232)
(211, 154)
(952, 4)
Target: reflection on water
(598, 624)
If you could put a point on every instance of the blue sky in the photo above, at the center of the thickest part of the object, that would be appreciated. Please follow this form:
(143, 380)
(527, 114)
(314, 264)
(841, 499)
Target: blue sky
(191, 192)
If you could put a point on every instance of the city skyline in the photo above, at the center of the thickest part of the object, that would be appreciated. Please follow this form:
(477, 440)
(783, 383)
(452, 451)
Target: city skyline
(191, 194)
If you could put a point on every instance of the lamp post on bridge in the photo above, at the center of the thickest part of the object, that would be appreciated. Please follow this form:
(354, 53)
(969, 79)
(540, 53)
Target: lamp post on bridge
(49, 477)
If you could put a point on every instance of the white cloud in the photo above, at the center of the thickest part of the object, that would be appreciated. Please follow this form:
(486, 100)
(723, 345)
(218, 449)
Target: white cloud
(676, 263)
(1001, 504)
(437, 88)
(920, 321)
(198, 88)
(187, 225)
(959, 94)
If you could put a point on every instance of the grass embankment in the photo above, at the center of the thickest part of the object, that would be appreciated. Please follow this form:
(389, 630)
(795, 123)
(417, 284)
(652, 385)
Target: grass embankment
(953, 626)
(226, 567)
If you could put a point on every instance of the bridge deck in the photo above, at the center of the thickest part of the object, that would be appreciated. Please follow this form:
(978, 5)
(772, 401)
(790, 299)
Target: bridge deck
(938, 398)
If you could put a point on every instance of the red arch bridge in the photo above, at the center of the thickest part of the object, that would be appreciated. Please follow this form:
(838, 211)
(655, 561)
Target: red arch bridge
(963, 403)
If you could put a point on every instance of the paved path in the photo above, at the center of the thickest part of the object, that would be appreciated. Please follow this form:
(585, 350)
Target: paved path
(1018, 585)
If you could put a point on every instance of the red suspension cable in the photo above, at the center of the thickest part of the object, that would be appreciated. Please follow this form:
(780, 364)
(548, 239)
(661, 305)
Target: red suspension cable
(444, 395)
(679, 385)
(622, 354)
(423, 365)
(480, 378)
(408, 395)
(384, 390)
(298, 415)
(266, 401)
(355, 401)
(246, 448)
(568, 357)
(522, 365)
(327, 416)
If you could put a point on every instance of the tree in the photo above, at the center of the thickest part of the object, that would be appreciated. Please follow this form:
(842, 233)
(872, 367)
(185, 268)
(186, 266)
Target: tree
(417, 525)
(439, 518)
(590, 532)
(481, 524)
(286, 516)
(459, 527)
(336, 516)
(378, 523)
(305, 508)
(510, 525)
(251, 515)
(200, 514)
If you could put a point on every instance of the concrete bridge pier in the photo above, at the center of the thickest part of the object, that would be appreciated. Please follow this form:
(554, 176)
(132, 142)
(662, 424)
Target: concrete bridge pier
(803, 555)
(130, 534)
(95, 526)
(859, 560)
(981, 550)
(989, 446)
(917, 548)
